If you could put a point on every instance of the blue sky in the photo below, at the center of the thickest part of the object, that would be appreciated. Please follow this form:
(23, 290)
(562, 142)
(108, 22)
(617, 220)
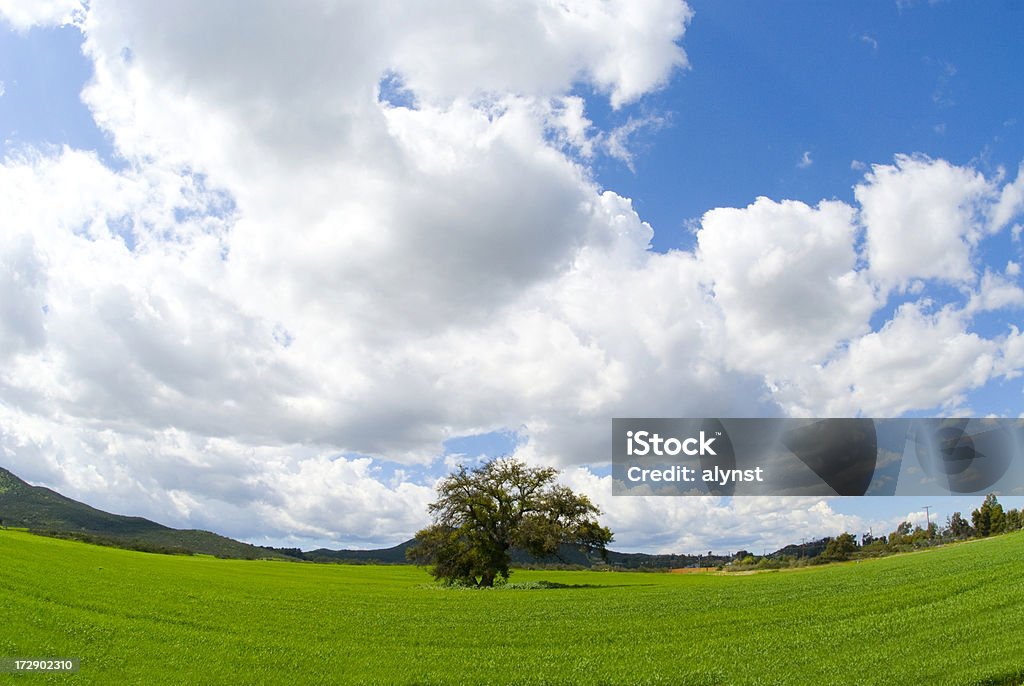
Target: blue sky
(270, 269)
(44, 72)
(840, 81)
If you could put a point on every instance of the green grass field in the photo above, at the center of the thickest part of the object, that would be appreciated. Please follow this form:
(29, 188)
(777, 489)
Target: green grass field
(948, 616)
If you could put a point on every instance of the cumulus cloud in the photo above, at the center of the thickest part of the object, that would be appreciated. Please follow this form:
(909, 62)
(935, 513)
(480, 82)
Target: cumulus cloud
(915, 358)
(784, 277)
(296, 281)
(24, 15)
(923, 217)
(996, 292)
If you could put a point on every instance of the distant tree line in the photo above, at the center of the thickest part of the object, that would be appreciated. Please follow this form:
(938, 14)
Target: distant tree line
(988, 520)
(138, 545)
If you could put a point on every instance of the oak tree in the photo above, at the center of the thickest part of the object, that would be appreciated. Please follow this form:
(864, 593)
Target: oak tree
(482, 514)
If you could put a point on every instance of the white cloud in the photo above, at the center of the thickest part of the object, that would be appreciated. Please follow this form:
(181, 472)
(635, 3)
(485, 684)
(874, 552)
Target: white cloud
(922, 217)
(1011, 203)
(805, 160)
(315, 285)
(1012, 361)
(24, 15)
(784, 277)
(286, 495)
(302, 94)
(916, 358)
(294, 279)
(995, 292)
(617, 142)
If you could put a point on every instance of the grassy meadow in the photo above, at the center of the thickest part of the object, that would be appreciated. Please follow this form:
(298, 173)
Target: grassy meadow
(952, 615)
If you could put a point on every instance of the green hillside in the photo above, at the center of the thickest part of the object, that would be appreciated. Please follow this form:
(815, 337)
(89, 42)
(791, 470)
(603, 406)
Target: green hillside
(952, 615)
(40, 509)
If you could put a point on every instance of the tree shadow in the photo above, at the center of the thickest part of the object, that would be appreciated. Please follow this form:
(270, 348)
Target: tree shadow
(526, 586)
(552, 585)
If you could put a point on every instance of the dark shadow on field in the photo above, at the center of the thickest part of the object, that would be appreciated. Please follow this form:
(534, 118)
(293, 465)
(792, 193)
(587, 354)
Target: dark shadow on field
(1012, 678)
(533, 586)
(542, 585)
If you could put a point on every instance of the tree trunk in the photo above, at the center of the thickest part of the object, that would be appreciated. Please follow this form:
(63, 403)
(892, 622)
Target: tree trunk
(487, 580)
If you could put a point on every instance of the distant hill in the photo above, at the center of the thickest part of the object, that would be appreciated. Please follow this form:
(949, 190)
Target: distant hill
(393, 555)
(44, 511)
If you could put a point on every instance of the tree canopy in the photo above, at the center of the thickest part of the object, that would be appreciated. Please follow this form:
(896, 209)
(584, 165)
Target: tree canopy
(482, 513)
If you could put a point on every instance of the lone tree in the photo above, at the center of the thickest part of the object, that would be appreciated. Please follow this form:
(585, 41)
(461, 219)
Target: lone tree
(481, 514)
